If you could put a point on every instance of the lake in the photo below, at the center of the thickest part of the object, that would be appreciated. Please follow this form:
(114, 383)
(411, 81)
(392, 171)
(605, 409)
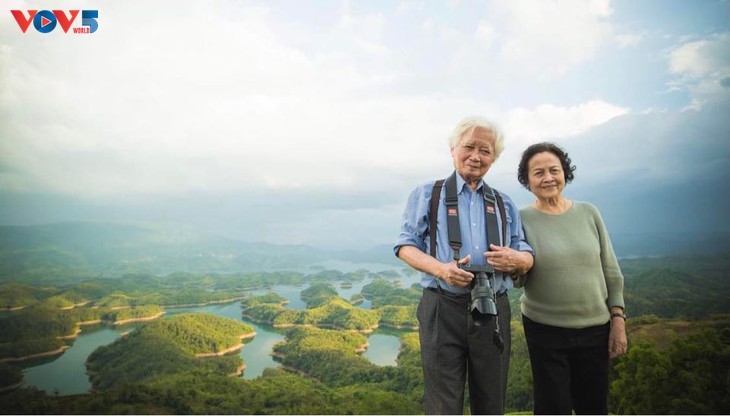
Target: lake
(66, 374)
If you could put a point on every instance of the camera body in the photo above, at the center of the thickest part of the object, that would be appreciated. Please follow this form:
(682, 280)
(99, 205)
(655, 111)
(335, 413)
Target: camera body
(483, 301)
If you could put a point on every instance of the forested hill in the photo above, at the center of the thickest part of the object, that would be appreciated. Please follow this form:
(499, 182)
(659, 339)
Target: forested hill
(669, 244)
(677, 287)
(74, 251)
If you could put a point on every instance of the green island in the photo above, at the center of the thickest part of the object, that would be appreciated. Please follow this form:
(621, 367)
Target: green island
(678, 358)
(165, 346)
(326, 309)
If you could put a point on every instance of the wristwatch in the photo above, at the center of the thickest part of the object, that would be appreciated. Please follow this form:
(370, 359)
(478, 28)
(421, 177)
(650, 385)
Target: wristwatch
(618, 315)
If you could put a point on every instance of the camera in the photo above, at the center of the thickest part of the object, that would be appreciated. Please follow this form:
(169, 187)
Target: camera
(483, 302)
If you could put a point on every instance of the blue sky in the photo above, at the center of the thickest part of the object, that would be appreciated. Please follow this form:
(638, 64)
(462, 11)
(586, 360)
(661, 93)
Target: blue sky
(310, 121)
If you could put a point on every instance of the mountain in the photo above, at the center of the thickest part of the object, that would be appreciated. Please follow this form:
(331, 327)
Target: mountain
(74, 251)
(71, 251)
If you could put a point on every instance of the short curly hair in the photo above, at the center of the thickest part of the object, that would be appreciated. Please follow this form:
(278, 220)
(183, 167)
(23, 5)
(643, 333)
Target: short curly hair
(568, 167)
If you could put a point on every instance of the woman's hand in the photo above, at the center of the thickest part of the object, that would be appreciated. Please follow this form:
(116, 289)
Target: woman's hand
(617, 343)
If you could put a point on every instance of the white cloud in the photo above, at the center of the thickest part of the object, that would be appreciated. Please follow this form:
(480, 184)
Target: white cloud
(214, 108)
(525, 126)
(549, 38)
(550, 121)
(410, 6)
(485, 34)
(702, 57)
(428, 24)
(239, 98)
(702, 67)
(366, 32)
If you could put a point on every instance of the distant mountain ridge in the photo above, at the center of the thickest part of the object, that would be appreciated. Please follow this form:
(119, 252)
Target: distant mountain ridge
(71, 251)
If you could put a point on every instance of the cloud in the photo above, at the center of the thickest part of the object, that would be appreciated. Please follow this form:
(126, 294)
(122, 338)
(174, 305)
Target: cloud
(702, 67)
(657, 148)
(213, 108)
(549, 38)
(274, 106)
(663, 172)
(702, 57)
(548, 121)
(312, 113)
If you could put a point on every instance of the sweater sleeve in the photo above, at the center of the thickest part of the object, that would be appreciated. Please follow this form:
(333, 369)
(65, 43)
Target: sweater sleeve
(609, 263)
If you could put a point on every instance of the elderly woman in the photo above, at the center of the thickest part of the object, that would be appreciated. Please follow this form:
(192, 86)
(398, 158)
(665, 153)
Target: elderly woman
(572, 307)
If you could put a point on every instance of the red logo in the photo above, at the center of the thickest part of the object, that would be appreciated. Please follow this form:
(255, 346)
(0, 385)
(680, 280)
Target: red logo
(490, 209)
(44, 21)
(452, 212)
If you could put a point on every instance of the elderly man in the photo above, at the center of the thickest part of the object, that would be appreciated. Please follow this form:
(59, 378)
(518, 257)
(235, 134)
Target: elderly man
(457, 340)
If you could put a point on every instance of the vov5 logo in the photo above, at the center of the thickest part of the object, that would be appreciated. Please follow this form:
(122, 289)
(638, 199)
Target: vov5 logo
(45, 21)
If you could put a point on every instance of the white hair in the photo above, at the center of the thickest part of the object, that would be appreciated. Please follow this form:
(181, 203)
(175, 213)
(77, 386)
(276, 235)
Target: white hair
(469, 124)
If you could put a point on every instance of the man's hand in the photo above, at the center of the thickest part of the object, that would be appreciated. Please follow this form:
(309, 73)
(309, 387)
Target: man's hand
(508, 260)
(453, 275)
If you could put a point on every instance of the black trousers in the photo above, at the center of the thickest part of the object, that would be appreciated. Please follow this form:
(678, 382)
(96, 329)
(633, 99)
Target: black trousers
(569, 368)
(452, 348)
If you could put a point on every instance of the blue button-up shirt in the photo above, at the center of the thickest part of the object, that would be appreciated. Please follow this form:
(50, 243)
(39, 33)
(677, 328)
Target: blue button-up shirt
(415, 232)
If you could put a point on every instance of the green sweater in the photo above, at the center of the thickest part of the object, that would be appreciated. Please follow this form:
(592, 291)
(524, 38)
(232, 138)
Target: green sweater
(576, 277)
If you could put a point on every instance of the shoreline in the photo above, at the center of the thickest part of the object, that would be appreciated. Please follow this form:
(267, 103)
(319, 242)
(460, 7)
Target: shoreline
(292, 369)
(227, 350)
(77, 331)
(57, 351)
(212, 302)
(238, 372)
(11, 387)
(219, 353)
(405, 327)
(75, 305)
(75, 334)
(13, 308)
(322, 326)
(142, 319)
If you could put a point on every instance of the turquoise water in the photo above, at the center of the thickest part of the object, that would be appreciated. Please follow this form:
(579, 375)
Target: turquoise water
(66, 374)
(256, 352)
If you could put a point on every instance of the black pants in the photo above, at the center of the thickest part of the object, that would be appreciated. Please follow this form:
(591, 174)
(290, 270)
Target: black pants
(452, 348)
(569, 368)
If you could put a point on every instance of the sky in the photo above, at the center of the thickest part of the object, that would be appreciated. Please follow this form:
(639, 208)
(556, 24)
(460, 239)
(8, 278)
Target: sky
(309, 122)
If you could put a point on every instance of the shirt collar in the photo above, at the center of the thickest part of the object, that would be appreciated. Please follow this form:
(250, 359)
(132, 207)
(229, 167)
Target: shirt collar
(461, 183)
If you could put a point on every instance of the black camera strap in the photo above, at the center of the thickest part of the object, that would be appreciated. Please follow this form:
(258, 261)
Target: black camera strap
(492, 200)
